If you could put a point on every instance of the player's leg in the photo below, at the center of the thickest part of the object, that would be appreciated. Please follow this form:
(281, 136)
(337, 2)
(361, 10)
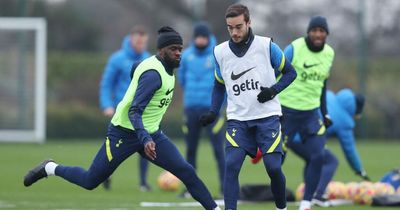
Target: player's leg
(314, 152)
(192, 136)
(238, 141)
(234, 157)
(143, 169)
(216, 135)
(169, 158)
(118, 146)
(269, 140)
(272, 163)
(311, 149)
(328, 170)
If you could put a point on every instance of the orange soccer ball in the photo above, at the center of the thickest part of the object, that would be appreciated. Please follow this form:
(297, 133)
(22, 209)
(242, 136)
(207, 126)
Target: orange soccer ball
(336, 190)
(299, 192)
(168, 182)
(351, 189)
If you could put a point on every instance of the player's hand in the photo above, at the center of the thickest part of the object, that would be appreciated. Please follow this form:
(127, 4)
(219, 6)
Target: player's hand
(108, 112)
(208, 118)
(363, 175)
(266, 94)
(150, 149)
(327, 121)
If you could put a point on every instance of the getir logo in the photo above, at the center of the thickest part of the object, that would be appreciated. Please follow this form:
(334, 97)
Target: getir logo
(247, 85)
(167, 99)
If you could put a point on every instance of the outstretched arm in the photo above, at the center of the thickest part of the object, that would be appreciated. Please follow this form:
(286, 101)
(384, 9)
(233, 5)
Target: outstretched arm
(348, 144)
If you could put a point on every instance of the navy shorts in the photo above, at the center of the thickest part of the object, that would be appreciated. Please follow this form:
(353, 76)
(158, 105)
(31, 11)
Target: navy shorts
(303, 123)
(249, 135)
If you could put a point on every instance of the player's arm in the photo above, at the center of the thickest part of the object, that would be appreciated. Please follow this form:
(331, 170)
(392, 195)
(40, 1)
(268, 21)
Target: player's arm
(283, 67)
(149, 83)
(217, 99)
(280, 63)
(288, 51)
(107, 84)
(348, 144)
(323, 107)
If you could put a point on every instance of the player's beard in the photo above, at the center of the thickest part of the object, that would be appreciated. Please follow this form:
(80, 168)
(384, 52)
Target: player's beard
(172, 63)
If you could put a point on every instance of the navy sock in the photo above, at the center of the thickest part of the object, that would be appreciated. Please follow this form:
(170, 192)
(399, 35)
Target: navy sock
(144, 165)
(234, 158)
(312, 175)
(169, 158)
(328, 170)
(272, 163)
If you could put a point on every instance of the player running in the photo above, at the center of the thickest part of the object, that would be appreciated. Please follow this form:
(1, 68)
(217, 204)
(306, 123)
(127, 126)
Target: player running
(135, 128)
(245, 71)
(115, 81)
(302, 101)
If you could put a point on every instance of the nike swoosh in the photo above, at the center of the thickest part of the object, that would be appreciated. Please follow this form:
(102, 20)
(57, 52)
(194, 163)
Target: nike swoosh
(169, 91)
(309, 66)
(273, 135)
(237, 76)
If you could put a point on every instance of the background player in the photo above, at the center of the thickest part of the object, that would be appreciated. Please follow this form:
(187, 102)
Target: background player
(116, 80)
(196, 77)
(245, 71)
(344, 108)
(135, 128)
(303, 100)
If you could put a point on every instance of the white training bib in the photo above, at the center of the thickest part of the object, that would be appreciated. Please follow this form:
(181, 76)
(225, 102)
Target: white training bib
(244, 77)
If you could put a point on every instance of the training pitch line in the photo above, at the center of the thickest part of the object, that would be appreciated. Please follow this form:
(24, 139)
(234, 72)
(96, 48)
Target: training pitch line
(336, 202)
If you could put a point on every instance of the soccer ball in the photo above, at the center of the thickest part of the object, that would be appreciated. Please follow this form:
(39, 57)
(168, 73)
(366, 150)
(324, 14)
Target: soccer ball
(398, 190)
(384, 188)
(168, 182)
(364, 193)
(351, 189)
(336, 190)
(365, 196)
(299, 192)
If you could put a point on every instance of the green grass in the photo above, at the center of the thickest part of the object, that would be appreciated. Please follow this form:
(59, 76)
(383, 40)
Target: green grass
(54, 193)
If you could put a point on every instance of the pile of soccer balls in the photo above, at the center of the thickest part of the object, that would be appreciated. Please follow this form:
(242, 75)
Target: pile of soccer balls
(168, 182)
(361, 193)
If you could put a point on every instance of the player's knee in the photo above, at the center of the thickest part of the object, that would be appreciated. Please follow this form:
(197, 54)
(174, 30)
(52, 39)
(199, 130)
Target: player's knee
(333, 161)
(317, 158)
(274, 170)
(232, 165)
(92, 183)
(91, 186)
(185, 173)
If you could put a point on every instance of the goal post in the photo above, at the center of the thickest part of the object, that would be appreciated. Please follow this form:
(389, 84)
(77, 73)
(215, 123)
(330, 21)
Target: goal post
(23, 79)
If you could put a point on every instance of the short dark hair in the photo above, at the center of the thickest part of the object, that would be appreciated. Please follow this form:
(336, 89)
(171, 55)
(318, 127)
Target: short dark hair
(236, 10)
(139, 29)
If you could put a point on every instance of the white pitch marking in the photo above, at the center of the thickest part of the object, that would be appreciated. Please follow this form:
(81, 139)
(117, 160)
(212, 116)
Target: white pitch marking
(4, 205)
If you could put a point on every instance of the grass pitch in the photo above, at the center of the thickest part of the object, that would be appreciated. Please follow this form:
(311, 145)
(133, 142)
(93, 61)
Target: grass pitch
(54, 193)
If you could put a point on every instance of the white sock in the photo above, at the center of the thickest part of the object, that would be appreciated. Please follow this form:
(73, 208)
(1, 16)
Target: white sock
(305, 205)
(50, 168)
(217, 208)
(281, 209)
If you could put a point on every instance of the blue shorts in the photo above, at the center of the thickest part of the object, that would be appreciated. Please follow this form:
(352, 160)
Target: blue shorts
(249, 135)
(304, 124)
